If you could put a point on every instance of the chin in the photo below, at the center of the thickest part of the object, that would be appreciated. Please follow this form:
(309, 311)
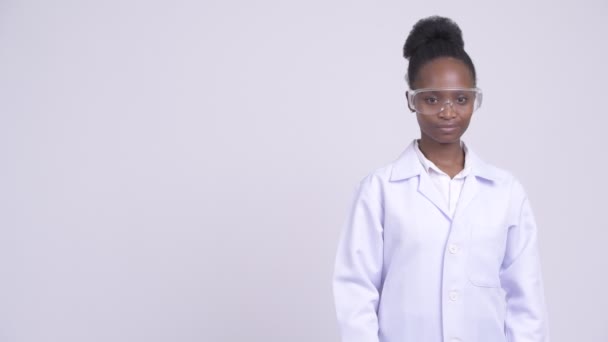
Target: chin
(447, 138)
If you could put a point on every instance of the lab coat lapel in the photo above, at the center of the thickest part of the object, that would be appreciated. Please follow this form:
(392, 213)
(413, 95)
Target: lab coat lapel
(408, 166)
(468, 193)
(480, 172)
(430, 191)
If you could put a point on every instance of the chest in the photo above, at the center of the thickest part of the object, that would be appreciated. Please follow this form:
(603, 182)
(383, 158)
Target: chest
(418, 218)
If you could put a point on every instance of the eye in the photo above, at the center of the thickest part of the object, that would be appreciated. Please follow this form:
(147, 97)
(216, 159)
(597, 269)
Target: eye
(432, 100)
(462, 100)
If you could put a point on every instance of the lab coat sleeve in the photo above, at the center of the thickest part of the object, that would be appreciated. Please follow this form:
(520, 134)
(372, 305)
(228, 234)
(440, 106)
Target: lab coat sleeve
(526, 318)
(358, 269)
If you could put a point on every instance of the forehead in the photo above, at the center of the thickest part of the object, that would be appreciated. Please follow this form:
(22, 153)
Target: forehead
(444, 72)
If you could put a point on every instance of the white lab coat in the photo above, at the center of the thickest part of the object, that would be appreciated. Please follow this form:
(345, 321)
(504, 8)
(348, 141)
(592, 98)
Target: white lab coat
(405, 271)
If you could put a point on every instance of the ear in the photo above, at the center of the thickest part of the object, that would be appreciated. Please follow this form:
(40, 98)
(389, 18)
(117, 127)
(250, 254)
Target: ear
(407, 100)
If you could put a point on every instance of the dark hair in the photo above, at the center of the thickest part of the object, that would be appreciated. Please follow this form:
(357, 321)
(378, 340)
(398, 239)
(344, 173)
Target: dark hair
(431, 38)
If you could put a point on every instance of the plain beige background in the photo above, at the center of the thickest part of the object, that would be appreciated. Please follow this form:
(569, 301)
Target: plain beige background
(180, 171)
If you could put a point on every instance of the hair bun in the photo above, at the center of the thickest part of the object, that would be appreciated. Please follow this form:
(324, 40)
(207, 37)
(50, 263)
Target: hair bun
(432, 30)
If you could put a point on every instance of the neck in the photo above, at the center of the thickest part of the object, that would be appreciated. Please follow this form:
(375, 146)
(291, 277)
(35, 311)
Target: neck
(449, 157)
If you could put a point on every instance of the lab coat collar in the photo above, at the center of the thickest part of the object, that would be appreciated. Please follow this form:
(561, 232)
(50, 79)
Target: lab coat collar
(408, 165)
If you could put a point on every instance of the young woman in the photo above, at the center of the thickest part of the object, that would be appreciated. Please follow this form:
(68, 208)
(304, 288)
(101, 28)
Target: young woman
(440, 246)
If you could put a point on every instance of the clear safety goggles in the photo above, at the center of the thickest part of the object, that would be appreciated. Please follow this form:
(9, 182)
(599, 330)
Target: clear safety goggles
(432, 101)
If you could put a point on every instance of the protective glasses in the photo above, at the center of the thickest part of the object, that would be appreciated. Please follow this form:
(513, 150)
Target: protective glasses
(432, 101)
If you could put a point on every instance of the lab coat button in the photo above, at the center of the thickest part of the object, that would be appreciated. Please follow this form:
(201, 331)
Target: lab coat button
(453, 295)
(453, 249)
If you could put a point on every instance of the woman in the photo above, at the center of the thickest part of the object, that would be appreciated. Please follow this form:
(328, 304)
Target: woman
(440, 246)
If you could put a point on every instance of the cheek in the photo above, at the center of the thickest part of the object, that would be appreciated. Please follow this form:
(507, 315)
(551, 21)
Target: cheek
(466, 121)
(423, 122)
(420, 119)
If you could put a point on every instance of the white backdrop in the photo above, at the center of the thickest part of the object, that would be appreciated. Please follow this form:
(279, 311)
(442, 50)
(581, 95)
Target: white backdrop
(180, 171)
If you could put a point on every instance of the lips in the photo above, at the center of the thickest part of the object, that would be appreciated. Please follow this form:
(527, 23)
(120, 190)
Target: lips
(447, 128)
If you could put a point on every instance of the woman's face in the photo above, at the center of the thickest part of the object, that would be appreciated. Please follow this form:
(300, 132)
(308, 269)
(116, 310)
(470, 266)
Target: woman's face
(447, 126)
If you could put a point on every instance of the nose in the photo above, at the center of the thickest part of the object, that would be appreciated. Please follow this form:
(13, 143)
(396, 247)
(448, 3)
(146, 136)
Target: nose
(447, 111)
